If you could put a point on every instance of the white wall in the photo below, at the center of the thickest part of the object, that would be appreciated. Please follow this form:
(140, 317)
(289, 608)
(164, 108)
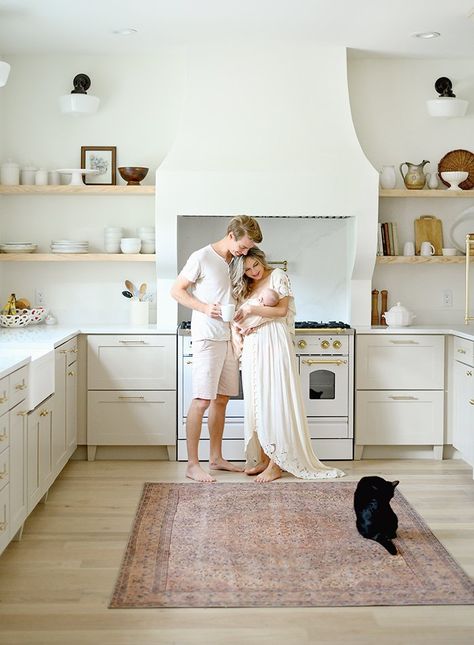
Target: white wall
(140, 106)
(388, 106)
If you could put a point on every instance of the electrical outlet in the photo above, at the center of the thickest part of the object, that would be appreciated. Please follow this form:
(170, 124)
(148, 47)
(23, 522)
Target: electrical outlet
(40, 299)
(447, 298)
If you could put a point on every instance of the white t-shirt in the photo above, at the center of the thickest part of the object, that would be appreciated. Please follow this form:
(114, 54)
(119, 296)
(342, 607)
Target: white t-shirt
(210, 274)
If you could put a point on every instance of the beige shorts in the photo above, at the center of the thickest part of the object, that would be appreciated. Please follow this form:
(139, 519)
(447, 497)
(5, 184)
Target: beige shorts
(215, 369)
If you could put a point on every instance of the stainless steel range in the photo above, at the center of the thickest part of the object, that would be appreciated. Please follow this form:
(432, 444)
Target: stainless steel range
(325, 356)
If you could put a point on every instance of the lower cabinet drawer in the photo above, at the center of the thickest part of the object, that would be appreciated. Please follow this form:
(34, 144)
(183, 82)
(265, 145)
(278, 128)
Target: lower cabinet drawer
(4, 517)
(399, 418)
(464, 350)
(131, 418)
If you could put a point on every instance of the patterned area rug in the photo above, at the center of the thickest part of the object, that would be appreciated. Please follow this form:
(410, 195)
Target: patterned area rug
(277, 545)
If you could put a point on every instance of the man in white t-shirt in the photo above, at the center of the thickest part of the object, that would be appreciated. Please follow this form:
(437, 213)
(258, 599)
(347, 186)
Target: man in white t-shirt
(203, 286)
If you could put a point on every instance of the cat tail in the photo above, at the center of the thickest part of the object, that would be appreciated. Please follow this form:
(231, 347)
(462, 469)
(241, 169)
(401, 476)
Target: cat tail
(388, 544)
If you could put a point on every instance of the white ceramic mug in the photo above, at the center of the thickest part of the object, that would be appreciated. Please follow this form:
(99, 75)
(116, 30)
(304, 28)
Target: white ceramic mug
(427, 248)
(449, 251)
(227, 312)
(409, 248)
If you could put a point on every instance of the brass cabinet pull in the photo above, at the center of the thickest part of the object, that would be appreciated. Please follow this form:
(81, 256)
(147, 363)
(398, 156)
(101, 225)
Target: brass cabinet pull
(70, 373)
(403, 398)
(469, 373)
(312, 361)
(3, 436)
(4, 472)
(23, 413)
(471, 401)
(44, 413)
(63, 351)
(302, 344)
(462, 351)
(73, 351)
(21, 386)
(4, 398)
(3, 526)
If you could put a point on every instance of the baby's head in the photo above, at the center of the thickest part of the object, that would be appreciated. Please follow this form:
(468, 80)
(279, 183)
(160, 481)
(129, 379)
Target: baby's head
(269, 297)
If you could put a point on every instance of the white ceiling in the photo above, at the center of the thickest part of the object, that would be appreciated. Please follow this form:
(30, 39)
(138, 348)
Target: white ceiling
(369, 27)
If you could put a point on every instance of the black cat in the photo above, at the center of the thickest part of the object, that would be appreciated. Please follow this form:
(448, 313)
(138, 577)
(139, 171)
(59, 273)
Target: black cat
(375, 517)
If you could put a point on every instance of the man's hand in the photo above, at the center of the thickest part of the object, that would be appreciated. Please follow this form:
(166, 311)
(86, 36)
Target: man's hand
(213, 310)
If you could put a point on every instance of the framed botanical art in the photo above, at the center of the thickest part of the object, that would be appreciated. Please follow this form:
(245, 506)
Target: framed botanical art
(103, 160)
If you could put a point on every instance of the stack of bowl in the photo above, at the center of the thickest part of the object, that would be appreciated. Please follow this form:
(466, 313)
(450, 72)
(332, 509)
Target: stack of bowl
(130, 244)
(147, 236)
(112, 237)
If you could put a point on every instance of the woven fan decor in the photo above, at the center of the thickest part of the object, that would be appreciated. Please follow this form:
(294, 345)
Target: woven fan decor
(458, 160)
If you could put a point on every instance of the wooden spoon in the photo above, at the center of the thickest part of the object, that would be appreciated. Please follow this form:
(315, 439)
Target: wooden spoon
(142, 291)
(131, 287)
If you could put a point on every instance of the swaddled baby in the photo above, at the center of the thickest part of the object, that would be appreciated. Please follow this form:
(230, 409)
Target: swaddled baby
(269, 298)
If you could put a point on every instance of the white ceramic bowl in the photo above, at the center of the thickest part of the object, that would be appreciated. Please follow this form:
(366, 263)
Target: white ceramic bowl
(454, 178)
(148, 247)
(21, 319)
(37, 315)
(130, 244)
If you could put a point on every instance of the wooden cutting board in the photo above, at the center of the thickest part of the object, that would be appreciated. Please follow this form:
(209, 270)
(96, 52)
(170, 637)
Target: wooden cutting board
(429, 229)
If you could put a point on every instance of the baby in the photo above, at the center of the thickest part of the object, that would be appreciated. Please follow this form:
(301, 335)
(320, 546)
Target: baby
(269, 298)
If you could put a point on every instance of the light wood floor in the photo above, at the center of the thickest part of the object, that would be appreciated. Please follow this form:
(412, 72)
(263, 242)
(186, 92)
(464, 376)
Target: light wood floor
(55, 584)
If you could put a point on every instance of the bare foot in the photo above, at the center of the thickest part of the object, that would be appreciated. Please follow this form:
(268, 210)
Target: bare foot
(271, 472)
(259, 468)
(194, 471)
(223, 464)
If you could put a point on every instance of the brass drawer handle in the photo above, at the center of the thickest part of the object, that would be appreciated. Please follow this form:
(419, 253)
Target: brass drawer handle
(70, 373)
(63, 351)
(311, 361)
(44, 413)
(462, 351)
(469, 373)
(21, 386)
(3, 436)
(3, 526)
(471, 401)
(4, 398)
(403, 398)
(73, 351)
(23, 413)
(4, 472)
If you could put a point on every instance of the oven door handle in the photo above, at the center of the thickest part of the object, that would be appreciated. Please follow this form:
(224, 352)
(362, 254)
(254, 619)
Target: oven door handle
(312, 361)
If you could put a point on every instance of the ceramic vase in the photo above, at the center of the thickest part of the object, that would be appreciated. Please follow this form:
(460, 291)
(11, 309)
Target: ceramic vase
(388, 178)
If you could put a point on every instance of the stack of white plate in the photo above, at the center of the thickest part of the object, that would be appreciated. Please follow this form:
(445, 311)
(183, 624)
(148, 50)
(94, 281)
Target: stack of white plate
(112, 237)
(69, 246)
(18, 247)
(147, 236)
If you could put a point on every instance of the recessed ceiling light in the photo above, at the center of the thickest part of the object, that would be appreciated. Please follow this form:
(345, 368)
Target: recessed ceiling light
(129, 31)
(426, 35)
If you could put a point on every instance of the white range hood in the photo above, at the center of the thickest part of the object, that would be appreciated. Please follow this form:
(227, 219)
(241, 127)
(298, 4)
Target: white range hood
(267, 131)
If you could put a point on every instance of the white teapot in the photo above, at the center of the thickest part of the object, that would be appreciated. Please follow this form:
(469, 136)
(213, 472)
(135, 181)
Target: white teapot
(398, 316)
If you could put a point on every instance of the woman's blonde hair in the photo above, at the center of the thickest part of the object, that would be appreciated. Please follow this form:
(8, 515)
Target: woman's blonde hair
(244, 225)
(240, 282)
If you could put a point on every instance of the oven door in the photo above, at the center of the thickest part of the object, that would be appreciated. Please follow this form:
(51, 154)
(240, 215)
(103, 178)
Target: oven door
(325, 383)
(235, 407)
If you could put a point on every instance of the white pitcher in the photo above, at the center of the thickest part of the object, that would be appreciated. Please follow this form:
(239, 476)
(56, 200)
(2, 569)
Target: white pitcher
(388, 178)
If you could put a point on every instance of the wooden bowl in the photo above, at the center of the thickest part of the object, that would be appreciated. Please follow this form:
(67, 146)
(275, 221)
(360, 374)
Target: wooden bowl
(133, 175)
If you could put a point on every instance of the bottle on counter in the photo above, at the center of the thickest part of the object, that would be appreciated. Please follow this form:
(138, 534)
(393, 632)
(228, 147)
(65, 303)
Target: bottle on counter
(384, 307)
(375, 308)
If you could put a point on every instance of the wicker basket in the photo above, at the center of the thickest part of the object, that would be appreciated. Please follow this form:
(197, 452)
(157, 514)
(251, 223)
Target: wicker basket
(458, 160)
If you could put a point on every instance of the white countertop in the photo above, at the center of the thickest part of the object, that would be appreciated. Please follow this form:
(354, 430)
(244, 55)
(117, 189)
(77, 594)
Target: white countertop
(463, 331)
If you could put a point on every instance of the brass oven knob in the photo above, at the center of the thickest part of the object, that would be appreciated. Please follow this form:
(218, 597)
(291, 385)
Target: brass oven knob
(337, 344)
(325, 344)
(302, 344)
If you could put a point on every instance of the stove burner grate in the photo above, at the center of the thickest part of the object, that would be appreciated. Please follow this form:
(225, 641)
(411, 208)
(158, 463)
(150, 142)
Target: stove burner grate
(311, 324)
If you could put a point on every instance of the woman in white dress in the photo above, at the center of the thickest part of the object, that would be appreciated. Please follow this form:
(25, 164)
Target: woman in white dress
(276, 430)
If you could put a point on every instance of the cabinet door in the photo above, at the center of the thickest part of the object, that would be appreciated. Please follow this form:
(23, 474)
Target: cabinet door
(33, 449)
(131, 362)
(40, 458)
(46, 445)
(399, 362)
(131, 418)
(4, 517)
(71, 409)
(399, 418)
(18, 469)
(463, 422)
(59, 440)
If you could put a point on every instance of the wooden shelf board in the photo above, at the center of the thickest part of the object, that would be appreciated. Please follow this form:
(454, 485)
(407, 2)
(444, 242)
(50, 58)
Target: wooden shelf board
(418, 259)
(77, 190)
(77, 257)
(402, 192)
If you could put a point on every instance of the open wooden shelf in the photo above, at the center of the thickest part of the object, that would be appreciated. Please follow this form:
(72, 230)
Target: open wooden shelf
(77, 257)
(419, 259)
(77, 190)
(444, 193)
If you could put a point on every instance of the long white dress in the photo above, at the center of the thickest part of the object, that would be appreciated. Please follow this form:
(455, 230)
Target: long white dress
(275, 418)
